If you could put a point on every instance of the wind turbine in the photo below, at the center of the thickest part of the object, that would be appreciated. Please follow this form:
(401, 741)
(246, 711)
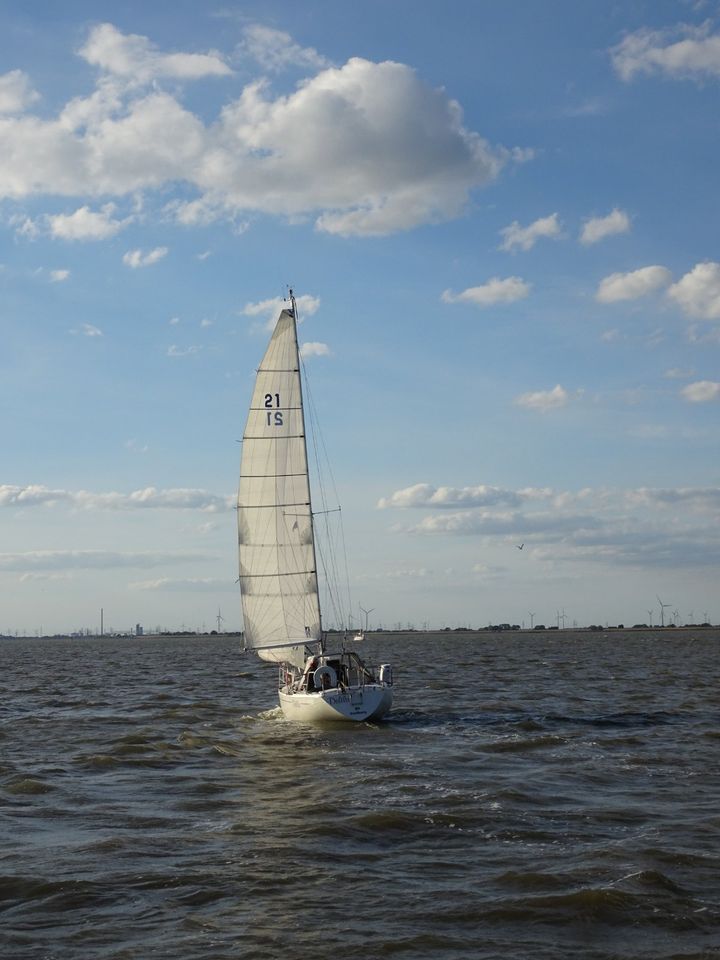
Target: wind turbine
(650, 613)
(367, 614)
(532, 618)
(662, 610)
(220, 620)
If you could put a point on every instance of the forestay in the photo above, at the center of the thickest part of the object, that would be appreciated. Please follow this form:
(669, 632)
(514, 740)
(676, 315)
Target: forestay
(278, 579)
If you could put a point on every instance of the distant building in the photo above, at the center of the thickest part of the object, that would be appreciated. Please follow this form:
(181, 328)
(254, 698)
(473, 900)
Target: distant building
(138, 630)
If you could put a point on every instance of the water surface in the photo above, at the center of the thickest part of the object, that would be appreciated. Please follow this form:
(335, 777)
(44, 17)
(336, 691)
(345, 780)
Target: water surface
(552, 796)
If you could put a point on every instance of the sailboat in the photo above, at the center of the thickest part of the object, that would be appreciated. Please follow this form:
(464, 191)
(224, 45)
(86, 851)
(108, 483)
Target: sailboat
(277, 553)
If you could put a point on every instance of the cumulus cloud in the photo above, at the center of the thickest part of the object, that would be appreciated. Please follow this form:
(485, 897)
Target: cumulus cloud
(598, 228)
(698, 292)
(592, 525)
(702, 391)
(314, 350)
(147, 498)
(368, 143)
(543, 400)
(526, 237)
(86, 224)
(493, 291)
(16, 92)
(427, 495)
(134, 57)
(58, 276)
(633, 285)
(504, 523)
(136, 258)
(365, 148)
(682, 51)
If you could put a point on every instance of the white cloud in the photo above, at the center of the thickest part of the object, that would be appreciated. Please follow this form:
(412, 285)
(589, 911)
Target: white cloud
(598, 228)
(695, 498)
(698, 334)
(175, 351)
(427, 495)
(86, 224)
(547, 524)
(206, 322)
(276, 50)
(682, 51)
(698, 292)
(703, 391)
(526, 237)
(543, 400)
(493, 291)
(189, 584)
(24, 226)
(136, 447)
(16, 93)
(35, 495)
(314, 350)
(269, 310)
(57, 276)
(87, 330)
(642, 527)
(678, 373)
(400, 573)
(365, 148)
(136, 258)
(367, 143)
(38, 560)
(631, 286)
(136, 59)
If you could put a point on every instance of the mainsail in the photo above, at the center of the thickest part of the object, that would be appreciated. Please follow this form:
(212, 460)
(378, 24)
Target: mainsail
(278, 579)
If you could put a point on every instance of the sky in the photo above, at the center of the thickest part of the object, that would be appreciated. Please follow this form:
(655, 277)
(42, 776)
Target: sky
(501, 222)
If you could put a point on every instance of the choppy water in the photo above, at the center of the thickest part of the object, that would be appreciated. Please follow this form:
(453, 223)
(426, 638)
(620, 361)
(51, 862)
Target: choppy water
(535, 797)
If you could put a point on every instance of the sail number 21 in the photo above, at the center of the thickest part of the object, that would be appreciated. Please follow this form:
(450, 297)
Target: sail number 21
(274, 417)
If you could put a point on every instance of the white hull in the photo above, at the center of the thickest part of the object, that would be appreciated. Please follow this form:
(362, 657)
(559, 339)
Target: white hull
(369, 702)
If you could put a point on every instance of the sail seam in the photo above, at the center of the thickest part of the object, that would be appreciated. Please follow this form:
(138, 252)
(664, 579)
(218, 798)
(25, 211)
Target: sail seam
(290, 436)
(281, 573)
(272, 506)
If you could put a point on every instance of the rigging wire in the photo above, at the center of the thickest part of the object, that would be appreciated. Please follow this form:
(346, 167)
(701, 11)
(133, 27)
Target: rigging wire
(334, 576)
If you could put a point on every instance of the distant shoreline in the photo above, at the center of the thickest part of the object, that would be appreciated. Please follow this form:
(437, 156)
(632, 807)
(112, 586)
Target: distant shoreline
(583, 633)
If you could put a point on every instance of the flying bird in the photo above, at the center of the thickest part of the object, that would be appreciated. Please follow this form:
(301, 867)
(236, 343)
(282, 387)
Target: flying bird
(520, 546)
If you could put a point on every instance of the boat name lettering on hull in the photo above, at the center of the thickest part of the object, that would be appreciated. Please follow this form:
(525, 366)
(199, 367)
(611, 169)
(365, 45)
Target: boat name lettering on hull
(341, 698)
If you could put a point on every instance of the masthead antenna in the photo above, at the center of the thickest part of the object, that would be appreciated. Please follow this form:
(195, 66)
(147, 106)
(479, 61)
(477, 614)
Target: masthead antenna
(293, 302)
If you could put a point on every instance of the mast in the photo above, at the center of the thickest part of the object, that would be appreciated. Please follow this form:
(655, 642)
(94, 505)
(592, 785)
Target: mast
(293, 304)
